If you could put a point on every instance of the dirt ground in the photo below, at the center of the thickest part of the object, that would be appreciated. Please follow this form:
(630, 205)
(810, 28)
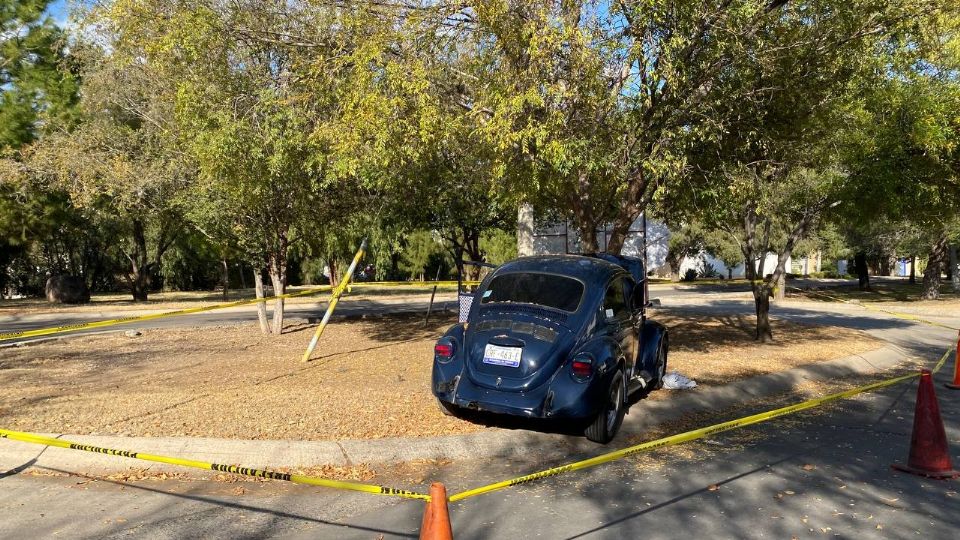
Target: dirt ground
(368, 378)
(717, 349)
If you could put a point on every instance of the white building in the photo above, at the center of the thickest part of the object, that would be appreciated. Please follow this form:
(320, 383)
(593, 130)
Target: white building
(543, 238)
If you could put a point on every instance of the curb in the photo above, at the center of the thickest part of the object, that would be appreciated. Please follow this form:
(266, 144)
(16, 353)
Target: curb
(493, 443)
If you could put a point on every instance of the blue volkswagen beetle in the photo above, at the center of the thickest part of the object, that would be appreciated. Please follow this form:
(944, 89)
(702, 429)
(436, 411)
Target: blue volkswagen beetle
(554, 337)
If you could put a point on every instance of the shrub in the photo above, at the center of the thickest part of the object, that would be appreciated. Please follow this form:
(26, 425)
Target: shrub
(689, 275)
(709, 272)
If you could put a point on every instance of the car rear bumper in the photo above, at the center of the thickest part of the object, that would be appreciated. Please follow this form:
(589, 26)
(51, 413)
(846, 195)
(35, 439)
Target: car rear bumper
(540, 403)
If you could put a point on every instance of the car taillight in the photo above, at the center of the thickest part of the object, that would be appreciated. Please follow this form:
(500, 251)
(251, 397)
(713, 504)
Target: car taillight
(582, 366)
(443, 350)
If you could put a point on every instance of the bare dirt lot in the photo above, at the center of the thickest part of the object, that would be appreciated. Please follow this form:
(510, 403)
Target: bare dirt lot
(368, 379)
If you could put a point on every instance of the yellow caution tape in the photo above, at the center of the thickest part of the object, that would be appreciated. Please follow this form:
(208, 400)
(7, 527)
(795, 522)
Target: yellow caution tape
(689, 435)
(232, 469)
(135, 318)
(374, 284)
(906, 316)
(20, 334)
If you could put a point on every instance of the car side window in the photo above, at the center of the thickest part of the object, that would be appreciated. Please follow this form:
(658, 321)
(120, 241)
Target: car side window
(615, 303)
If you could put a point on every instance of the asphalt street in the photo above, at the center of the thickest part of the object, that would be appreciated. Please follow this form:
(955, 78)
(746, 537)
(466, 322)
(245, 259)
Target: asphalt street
(813, 475)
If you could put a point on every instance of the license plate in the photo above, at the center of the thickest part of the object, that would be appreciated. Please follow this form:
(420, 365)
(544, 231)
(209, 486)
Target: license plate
(502, 356)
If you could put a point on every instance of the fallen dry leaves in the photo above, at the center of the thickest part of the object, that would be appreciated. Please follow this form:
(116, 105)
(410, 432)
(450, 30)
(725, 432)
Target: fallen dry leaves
(368, 378)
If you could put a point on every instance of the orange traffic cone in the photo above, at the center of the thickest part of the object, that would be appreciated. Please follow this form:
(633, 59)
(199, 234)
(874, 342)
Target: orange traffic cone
(436, 519)
(929, 455)
(955, 385)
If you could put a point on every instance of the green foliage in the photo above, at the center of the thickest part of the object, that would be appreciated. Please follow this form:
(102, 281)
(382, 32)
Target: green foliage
(311, 272)
(724, 246)
(686, 240)
(423, 251)
(499, 246)
(38, 90)
(282, 133)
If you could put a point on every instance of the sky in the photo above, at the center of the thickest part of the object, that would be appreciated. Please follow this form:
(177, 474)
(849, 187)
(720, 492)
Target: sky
(59, 10)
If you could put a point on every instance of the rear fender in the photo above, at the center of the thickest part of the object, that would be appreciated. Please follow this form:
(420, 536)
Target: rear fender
(446, 374)
(606, 354)
(587, 397)
(651, 336)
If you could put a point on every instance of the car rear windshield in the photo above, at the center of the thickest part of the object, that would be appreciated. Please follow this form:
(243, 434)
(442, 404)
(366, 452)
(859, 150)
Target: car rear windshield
(547, 290)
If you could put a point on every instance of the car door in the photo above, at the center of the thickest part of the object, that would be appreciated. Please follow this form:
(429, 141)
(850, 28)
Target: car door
(617, 316)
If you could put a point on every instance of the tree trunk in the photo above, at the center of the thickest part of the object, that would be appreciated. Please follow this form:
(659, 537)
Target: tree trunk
(140, 285)
(673, 261)
(729, 272)
(471, 246)
(954, 268)
(780, 289)
(913, 269)
(525, 230)
(761, 301)
(139, 267)
(633, 203)
(225, 267)
(243, 280)
(584, 219)
(931, 274)
(588, 237)
(278, 277)
(863, 274)
(261, 306)
(332, 266)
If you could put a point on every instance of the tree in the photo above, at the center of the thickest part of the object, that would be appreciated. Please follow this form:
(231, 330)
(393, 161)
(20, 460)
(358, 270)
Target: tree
(38, 89)
(906, 164)
(117, 162)
(686, 240)
(421, 250)
(38, 95)
(593, 109)
(402, 133)
(775, 170)
(725, 247)
(498, 246)
(236, 80)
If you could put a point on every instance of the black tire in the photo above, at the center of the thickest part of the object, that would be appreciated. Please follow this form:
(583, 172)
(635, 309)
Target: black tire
(605, 426)
(448, 409)
(660, 366)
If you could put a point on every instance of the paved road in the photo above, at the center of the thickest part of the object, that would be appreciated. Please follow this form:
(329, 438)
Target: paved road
(815, 475)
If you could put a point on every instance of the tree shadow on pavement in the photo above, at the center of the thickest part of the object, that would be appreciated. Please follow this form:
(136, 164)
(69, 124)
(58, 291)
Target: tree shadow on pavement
(787, 478)
(243, 507)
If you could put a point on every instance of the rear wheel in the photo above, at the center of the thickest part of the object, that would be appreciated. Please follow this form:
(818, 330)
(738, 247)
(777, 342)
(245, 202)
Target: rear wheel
(660, 366)
(605, 426)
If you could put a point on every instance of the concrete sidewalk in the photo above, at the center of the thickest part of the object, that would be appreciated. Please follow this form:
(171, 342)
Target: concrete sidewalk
(643, 416)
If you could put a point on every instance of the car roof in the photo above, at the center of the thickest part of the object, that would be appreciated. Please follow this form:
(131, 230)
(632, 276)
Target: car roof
(587, 269)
